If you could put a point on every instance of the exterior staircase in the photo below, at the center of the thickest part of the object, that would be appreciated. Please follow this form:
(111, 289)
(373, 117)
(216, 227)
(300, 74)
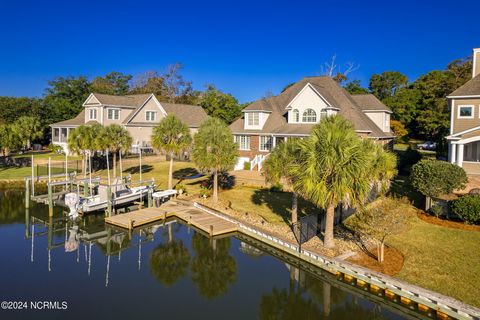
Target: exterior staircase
(258, 162)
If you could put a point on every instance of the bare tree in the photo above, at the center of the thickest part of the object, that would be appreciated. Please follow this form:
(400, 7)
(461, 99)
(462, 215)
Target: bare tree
(381, 219)
(331, 69)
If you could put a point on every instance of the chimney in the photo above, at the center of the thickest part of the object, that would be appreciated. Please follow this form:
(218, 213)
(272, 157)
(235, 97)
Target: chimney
(476, 62)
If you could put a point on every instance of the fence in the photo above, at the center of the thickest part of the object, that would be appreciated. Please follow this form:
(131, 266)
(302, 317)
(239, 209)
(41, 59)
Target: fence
(306, 228)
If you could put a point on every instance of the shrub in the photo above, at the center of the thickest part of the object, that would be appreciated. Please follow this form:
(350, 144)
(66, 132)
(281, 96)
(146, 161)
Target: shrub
(436, 210)
(180, 188)
(433, 178)
(406, 159)
(467, 208)
(277, 187)
(55, 148)
(205, 193)
(246, 166)
(225, 181)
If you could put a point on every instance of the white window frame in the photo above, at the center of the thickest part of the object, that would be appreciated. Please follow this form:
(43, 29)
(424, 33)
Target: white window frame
(152, 117)
(115, 113)
(243, 142)
(387, 121)
(95, 111)
(295, 115)
(304, 116)
(465, 106)
(251, 119)
(263, 144)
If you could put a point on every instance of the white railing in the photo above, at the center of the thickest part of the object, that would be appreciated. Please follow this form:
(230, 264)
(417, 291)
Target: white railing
(254, 162)
(260, 162)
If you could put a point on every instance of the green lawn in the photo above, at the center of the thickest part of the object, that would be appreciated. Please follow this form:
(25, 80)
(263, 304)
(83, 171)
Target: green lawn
(274, 207)
(159, 172)
(45, 155)
(14, 173)
(442, 259)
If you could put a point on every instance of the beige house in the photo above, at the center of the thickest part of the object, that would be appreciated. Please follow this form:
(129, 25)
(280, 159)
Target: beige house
(137, 113)
(295, 111)
(464, 138)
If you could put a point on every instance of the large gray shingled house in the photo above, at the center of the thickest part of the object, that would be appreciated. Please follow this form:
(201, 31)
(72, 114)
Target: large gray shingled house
(295, 111)
(137, 113)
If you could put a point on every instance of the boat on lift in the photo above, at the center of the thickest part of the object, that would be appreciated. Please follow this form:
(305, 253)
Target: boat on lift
(122, 195)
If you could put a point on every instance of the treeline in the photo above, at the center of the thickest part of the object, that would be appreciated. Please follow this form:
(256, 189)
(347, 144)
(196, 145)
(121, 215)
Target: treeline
(420, 108)
(64, 96)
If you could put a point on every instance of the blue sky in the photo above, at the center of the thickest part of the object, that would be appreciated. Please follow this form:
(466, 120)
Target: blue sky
(246, 48)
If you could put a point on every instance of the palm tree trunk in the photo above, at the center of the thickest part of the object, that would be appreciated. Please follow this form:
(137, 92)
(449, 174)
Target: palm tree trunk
(84, 165)
(114, 164)
(170, 172)
(108, 168)
(28, 144)
(215, 186)
(121, 167)
(294, 207)
(328, 238)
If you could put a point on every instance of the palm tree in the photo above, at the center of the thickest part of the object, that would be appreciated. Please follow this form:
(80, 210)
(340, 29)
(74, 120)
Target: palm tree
(79, 142)
(171, 136)
(8, 138)
(335, 167)
(383, 166)
(214, 150)
(115, 139)
(277, 168)
(28, 128)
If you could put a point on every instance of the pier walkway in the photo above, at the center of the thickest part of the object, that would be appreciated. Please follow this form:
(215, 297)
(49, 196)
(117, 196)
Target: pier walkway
(208, 223)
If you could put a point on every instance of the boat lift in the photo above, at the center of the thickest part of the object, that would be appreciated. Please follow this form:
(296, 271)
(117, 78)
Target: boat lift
(68, 182)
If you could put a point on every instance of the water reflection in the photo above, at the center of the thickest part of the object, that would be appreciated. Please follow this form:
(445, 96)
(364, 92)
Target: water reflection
(171, 261)
(213, 268)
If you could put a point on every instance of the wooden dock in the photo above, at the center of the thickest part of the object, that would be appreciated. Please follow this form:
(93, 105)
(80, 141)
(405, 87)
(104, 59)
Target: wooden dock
(206, 222)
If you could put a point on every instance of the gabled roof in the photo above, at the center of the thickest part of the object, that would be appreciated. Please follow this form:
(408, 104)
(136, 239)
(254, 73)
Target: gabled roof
(134, 100)
(191, 115)
(470, 88)
(337, 97)
(368, 102)
(77, 121)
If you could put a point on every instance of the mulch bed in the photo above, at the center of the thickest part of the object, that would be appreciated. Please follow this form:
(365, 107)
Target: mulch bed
(392, 264)
(447, 223)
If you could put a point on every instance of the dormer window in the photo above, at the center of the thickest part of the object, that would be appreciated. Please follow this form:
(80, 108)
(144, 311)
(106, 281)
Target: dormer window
(309, 115)
(296, 115)
(92, 114)
(253, 118)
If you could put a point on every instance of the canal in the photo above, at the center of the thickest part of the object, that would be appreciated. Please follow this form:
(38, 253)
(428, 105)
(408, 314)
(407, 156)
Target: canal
(85, 269)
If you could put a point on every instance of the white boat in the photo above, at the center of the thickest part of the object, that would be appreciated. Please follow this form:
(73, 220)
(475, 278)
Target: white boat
(120, 197)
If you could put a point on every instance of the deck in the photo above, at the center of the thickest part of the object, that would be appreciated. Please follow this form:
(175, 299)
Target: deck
(206, 222)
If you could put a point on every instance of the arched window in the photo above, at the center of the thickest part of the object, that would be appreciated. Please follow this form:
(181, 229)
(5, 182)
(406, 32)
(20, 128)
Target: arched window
(296, 115)
(309, 116)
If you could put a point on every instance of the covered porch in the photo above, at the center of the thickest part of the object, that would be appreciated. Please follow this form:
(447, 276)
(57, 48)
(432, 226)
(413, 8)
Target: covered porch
(465, 153)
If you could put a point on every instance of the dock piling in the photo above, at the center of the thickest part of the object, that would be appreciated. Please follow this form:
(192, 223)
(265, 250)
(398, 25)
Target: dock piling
(109, 201)
(27, 194)
(50, 201)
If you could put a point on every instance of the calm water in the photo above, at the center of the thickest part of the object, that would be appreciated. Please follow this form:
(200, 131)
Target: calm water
(162, 271)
